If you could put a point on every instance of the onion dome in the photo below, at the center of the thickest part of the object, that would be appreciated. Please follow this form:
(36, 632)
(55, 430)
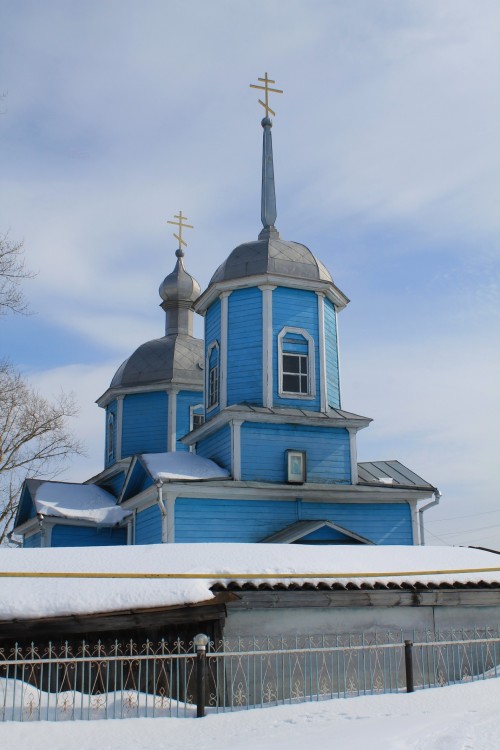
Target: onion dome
(179, 287)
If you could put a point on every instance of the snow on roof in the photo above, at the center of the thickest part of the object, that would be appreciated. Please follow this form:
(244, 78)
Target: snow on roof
(176, 574)
(84, 502)
(182, 465)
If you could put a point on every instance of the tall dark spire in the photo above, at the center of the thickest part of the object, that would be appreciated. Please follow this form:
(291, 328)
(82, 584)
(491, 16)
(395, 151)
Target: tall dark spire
(268, 197)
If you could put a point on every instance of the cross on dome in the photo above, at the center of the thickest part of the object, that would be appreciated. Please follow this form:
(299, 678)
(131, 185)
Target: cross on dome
(266, 89)
(181, 219)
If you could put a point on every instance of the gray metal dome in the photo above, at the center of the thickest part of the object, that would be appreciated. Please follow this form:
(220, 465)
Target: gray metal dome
(179, 286)
(175, 358)
(272, 256)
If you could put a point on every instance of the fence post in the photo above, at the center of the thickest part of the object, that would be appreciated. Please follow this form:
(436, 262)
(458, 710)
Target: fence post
(409, 666)
(200, 643)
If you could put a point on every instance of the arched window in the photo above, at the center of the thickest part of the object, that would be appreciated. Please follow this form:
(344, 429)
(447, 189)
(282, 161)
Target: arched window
(212, 375)
(111, 436)
(296, 363)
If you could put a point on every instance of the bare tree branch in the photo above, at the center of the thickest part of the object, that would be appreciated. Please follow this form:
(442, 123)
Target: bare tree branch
(12, 272)
(34, 438)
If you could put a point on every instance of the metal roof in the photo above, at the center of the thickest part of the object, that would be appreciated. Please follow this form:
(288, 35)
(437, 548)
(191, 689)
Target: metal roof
(174, 358)
(271, 256)
(390, 473)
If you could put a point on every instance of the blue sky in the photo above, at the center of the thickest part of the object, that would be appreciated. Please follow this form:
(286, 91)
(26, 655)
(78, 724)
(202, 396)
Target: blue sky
(387, 163)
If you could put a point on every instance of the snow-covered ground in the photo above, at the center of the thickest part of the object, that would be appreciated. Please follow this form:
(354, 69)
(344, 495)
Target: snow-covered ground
(462, 717)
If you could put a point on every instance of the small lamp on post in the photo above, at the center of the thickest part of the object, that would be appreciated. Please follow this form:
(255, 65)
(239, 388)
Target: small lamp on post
(200, 642)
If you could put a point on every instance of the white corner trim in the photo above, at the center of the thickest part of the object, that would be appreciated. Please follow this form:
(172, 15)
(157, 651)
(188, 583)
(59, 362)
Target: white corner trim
(322, 353)
(353, 453)
(172, 420)
(119, 427)
(267, 344)
(224, 316)
(236, 448)
(338, 353)
(311, 356)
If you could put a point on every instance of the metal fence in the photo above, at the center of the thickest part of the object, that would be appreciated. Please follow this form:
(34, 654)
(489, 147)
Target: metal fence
(119, 680)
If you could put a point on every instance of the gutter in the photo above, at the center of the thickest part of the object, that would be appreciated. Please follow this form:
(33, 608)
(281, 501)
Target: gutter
(437, 498)
(163, 510)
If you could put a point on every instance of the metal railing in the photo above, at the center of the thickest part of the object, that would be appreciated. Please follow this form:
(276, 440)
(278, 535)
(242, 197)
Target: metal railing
(119, 680)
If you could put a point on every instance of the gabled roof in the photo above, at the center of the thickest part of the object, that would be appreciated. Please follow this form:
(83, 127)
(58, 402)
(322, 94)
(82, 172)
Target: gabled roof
(302, 529)
(149, 468)
(78, 502)
(390, 473)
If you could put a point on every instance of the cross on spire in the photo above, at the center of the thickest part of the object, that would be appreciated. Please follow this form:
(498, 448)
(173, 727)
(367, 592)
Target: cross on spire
(266, 89)
(182, 225)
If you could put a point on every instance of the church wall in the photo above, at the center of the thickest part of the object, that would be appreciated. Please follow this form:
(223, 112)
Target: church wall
(185, 400)
(145, 418)
(87, 536)
(148, 526)
(332, 358)
(296, 308)
(217, 447)
(212, 334)
(263, 457)
(33, 540)
(226, 520)
(244, 359)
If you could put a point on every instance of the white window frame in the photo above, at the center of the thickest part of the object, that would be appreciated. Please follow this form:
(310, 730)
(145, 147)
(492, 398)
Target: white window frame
(209, 406)
(311, 369)
(192, 410)
(296, 467)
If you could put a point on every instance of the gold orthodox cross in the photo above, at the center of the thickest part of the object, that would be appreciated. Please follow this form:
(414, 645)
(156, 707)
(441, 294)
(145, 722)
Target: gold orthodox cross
(266, 89)
(180, 223)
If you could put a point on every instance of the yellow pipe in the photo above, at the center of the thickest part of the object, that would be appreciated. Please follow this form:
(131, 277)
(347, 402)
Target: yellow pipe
(245, 576)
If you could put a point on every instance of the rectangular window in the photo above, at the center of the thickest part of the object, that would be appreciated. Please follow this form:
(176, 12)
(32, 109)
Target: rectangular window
(213, 386)
(295, 373)
(296, 466)
(198, 420)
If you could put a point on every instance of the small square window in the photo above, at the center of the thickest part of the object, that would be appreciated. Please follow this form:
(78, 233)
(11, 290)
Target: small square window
(296, 466)
(295, 374)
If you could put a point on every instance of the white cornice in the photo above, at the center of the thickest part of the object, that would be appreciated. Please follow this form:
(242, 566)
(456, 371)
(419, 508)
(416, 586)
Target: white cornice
(231, 414)
(163, 385)
(214, 290)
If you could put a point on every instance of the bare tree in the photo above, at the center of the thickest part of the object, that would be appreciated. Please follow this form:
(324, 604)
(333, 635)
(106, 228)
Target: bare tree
(12, 272)
(34, 438)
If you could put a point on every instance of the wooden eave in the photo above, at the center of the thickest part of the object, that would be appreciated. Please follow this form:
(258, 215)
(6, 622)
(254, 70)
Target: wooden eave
(127, 619)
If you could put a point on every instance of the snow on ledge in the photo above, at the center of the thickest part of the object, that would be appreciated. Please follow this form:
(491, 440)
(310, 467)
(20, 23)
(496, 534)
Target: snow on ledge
(188, 571)
(182, 465)
(84, 502)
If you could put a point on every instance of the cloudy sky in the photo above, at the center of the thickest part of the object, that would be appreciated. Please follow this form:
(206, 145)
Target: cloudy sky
(387, 159)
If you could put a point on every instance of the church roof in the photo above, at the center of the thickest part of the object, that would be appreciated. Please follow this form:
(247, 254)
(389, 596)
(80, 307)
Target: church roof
(83, 502)
(173, 358)
(272, 256)
(390, 473)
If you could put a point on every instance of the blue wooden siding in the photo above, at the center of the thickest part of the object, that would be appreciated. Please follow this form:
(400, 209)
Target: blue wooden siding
(87, 536)
(212, 334)
(263, 449)
(244, 359)
(139, 479)
(185, 399)
(220, 520)
(295, 308)
(110, 409)
(332, 356)
(145, 423)
(148, 526)
(33, 540)
(114, 484)
(217, 447)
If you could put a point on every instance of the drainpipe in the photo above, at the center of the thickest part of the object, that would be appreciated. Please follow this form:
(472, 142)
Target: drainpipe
(437, 497)
(42, 529)
(163, 511)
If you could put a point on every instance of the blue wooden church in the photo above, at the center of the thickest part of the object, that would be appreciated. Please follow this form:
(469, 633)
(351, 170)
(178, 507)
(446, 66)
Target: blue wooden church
(241, 436)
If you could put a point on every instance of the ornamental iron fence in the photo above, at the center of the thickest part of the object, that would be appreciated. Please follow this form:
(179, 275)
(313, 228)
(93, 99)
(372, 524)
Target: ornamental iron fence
(119, 680)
